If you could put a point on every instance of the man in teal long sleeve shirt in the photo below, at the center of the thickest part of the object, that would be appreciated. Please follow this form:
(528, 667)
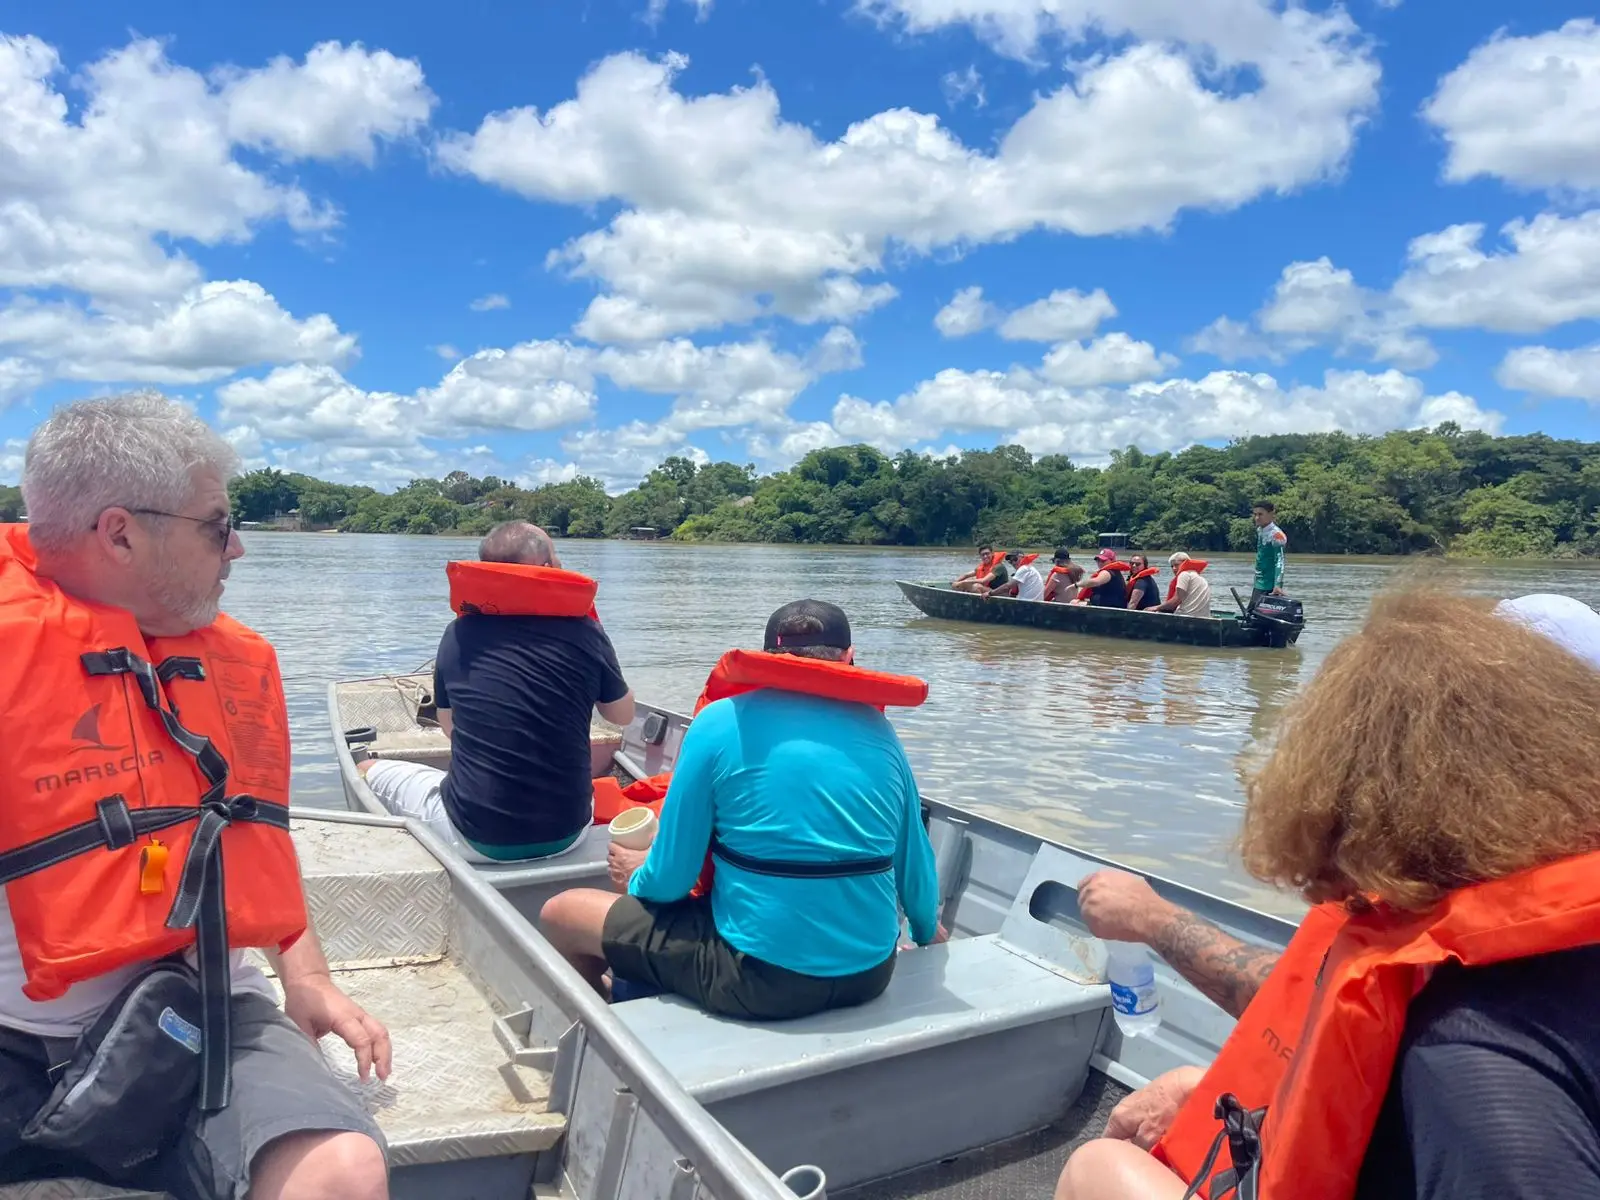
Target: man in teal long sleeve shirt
(786, 785)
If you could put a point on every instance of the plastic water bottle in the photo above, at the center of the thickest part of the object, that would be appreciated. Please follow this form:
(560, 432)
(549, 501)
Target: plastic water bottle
(1133, 989)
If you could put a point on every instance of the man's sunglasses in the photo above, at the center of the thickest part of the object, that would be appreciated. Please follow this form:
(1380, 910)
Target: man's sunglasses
(224, 526)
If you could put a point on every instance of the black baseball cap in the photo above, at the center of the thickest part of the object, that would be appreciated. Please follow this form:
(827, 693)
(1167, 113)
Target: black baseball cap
(1063, 555)
(835, 629)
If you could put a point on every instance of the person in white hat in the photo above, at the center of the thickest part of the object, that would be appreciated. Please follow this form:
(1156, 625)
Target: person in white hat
(1570, 623)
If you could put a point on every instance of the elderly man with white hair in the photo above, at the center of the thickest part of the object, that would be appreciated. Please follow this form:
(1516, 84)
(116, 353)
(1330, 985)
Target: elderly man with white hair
(146, 761)
(1189, 593)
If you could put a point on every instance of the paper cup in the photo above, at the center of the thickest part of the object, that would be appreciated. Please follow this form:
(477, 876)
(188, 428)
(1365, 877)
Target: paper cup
(633, 828)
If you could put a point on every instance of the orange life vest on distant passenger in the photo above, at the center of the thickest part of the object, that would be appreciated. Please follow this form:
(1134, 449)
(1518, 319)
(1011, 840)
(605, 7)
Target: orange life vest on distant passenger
(518, 590)
(1189, 564)
(160, 766)
(1317, 1045)
(1117, 565)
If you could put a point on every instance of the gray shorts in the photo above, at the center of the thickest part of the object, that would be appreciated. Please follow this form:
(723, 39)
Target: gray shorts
(281, 1085)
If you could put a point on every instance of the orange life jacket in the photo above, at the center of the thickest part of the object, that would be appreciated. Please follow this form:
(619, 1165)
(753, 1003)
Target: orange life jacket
(1318, 1043)
(740, 671)
(518, 590)
(1117, 565)
(159, 769)
(1146, 573)
(1067, 571)
(1188, 564)
(1026, 559)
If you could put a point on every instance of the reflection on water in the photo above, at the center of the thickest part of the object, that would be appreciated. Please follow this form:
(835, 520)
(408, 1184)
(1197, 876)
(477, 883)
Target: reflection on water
(1130, 750)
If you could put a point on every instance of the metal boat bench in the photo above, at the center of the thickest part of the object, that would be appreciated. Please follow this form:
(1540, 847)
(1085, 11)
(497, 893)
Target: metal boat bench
(974, 1041)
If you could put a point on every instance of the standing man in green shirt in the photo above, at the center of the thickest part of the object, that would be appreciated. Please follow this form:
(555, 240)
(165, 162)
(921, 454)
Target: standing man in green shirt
(1271, 542)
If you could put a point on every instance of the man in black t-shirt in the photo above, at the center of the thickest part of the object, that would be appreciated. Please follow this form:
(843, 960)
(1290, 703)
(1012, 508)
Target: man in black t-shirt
(514, 695)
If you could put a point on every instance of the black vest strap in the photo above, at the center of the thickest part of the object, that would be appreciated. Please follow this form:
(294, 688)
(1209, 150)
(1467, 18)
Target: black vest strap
(1241, 1130)
(846, 869)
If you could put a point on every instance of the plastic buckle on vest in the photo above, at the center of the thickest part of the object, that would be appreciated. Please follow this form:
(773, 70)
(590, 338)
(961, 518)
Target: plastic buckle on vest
(107, 662)
(181, 667)
(1241, 1130)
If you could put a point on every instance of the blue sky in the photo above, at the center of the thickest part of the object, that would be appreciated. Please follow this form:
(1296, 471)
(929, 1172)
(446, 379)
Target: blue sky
(372, 242)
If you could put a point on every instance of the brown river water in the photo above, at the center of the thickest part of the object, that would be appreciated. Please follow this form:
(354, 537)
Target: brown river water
(1128, 750)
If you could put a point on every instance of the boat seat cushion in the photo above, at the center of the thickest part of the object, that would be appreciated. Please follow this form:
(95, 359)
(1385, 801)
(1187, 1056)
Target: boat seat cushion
(939, 994)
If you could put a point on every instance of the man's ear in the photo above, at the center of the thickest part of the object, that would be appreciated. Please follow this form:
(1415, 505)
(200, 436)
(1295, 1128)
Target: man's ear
(850, 656)
(112, 529)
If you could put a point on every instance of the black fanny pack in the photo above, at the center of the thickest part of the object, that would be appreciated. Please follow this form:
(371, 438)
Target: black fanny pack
(127, 1091)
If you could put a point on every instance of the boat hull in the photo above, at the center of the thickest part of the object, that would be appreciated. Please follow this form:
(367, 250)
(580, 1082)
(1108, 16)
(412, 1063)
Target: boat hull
(1014, 1004)
(1221, 630)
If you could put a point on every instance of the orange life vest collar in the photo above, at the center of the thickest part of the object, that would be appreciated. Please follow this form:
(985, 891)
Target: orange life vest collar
(740, 671)
(1144, 574)
(1317, 1045)
(518, 590)
(1189, 564)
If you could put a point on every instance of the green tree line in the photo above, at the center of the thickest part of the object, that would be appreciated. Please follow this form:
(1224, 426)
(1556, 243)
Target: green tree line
(1440, 490)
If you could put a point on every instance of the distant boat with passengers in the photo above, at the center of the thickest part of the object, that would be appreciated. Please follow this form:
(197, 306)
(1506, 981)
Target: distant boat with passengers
(1266, 621)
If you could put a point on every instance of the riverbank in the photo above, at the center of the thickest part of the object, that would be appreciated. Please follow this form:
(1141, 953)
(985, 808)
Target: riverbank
(1420, 491)
(1559, 554)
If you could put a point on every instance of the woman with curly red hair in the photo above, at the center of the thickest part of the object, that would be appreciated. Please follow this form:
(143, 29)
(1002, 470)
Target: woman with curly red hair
(1429, 1031)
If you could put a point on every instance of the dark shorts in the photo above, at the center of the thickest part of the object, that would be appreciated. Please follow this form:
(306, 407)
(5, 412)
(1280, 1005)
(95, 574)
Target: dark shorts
(676, 948)
(281, 1085)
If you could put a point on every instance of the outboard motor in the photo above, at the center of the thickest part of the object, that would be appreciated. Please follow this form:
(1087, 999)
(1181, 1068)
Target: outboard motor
(1279, 618)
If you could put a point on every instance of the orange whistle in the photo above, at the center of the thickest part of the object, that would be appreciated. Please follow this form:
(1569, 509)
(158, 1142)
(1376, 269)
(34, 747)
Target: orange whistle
(152, 869)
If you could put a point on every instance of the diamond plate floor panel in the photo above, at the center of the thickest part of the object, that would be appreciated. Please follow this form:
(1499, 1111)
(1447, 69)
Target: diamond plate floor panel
(452, 1095)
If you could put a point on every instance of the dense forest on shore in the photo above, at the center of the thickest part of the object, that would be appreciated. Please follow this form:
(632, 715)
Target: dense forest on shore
(1434, 490)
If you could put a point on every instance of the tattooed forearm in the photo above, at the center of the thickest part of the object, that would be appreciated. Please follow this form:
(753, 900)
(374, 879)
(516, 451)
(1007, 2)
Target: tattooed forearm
(1227, 972)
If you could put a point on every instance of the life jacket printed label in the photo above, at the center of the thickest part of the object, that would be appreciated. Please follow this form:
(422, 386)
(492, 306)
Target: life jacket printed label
(252, 712)
(179, 1030)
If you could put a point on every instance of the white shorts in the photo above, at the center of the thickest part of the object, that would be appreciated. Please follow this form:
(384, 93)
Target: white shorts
(409, 789)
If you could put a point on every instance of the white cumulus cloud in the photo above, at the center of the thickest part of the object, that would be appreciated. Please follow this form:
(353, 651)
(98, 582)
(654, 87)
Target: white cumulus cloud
(1567, 373)
(314, 403)
(729, 211)
(12, 455)
(1543, 273)
(1089, 423)
(967, 313)
(1525, 110)
(1546, 274)
(106, 171)
(1114, 358)
(211, 332)
(338, 103)
(532, 386)
(1060, 316)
